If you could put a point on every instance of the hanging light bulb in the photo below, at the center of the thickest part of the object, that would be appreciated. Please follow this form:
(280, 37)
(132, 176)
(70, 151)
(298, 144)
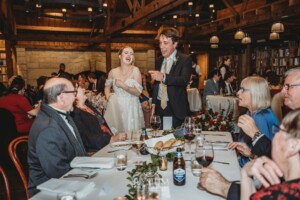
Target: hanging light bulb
(73, 3)
(277, 27)
(239, 34)
(190, 4)
(90, 10)
(214, 39)
(175, 20)
(274, 36)
(100, 5)
(246, 39)
(197, 16)
(64, 12)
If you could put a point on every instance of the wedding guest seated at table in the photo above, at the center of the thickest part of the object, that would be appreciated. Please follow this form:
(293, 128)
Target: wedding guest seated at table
(254, 94)
(212, 85)
(82, 81)
(54, 140)
(285, 163)
(212, 180)
(18, 105)
(226, 84)
(96, 84)
(93, 129)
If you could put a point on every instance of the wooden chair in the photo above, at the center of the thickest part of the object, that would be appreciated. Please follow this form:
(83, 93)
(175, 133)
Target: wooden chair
(6, 183)
(18, 153)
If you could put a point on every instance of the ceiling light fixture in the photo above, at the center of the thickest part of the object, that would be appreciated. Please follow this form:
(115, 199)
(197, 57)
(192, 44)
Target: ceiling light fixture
(274, 36)
(214, 39)
(214, 46)
(246, 39)
(277, 27)
(239, 34)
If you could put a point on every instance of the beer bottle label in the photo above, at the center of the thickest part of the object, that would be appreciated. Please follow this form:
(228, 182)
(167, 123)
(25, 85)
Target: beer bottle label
(179, 175)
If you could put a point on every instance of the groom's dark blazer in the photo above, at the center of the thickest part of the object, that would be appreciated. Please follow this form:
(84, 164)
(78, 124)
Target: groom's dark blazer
(176, 82)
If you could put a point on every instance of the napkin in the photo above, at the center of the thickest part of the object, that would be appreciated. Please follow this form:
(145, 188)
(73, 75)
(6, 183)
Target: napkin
(220, 146)
(80, 188)
(92, 162)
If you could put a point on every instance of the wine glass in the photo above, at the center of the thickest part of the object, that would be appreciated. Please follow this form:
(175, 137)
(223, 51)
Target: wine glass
(188, 133)
(155, 123)
(204, 155)
(137, 143)
(198, 132)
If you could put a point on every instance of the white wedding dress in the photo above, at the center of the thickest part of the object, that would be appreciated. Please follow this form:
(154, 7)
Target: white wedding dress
(124, 112)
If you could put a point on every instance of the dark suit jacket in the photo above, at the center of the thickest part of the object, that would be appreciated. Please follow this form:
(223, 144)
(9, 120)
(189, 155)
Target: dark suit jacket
(234, 191)
(51, 148)
(92, 128)
(176, 82)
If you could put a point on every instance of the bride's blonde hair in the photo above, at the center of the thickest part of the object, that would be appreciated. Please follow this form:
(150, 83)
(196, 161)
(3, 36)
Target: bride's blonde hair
(121, 51)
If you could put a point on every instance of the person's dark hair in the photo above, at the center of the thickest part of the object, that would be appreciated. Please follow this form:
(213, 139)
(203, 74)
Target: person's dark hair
(41, 81)
(3, 89)
(16, 85)
(273, 79)
(194, 58)
(92, 75)
(228, 75)
(214, 72)
(54, 74)
(170, 33)
(51, 93)
(102, 80)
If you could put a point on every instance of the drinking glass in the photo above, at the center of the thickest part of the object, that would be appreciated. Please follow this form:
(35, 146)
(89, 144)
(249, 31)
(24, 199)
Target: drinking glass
(204, 156)
(155, 124)
(137, 143)
(188, 133)
(121, 160)
(195, 166)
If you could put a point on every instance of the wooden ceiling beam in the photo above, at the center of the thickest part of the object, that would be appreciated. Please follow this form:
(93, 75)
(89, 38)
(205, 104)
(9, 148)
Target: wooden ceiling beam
(250, 18)
(153, 9)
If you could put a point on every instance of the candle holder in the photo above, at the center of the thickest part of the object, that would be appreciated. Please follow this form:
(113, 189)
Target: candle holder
(163, 163)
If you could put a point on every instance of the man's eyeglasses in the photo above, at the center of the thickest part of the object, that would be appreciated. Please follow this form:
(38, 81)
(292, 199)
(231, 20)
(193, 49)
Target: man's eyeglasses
(244, 90)
(71, 91)
(288, 86)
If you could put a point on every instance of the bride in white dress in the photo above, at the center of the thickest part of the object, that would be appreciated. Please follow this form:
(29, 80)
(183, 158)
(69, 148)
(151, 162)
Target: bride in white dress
(124, 112)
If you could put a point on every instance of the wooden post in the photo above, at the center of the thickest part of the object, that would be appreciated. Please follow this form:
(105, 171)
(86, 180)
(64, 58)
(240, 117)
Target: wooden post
(108, 57)
(9, 63)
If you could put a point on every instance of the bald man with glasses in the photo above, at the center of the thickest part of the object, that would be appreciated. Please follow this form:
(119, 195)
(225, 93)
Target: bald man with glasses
(53, 139)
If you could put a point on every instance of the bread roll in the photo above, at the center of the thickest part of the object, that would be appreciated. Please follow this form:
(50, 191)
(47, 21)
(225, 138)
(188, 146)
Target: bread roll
(177, 143)
(169, 143)
(158, 145)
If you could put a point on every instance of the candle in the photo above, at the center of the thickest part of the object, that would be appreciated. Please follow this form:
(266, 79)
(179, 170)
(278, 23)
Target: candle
(163, 163)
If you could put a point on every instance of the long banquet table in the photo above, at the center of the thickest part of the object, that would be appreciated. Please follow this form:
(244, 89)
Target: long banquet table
(112, 183)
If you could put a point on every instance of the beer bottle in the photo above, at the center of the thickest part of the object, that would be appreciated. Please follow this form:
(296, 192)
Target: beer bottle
(179, 172)
(144, 136)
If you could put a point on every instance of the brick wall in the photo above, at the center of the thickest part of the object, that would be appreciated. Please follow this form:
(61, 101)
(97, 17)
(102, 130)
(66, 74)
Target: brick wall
(35, 63)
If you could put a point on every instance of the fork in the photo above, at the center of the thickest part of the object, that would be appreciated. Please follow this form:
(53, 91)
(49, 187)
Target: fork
(86, 176)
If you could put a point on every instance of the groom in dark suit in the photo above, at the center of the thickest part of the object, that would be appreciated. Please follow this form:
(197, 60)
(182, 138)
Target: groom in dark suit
(171, 75)
(53, 139)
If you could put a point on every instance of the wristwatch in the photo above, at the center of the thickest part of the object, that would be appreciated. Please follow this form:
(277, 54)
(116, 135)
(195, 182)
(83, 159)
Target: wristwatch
(256, 135)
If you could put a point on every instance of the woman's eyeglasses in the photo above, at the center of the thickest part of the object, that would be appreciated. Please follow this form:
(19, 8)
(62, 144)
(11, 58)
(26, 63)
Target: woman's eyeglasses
(242, 89)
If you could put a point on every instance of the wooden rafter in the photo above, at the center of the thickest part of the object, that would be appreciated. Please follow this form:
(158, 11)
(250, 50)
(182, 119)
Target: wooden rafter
(153, 9)
(229, 5)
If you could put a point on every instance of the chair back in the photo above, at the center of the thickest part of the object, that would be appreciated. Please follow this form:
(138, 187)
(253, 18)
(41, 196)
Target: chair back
(18, 153)
(6, 183)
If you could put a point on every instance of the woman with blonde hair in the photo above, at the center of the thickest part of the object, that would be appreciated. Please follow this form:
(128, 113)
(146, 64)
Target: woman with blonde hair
(124, 112)
(285, 163)
(254, 94)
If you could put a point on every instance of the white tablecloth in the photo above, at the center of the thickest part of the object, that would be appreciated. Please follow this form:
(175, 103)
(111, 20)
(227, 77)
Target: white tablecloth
(194, 99)
(112, 183)
(218, 102)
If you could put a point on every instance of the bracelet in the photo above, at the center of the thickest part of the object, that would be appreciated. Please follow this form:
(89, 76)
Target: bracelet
(256, 135)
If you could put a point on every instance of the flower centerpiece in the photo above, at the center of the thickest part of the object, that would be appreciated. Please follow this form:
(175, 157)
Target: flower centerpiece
(216, 121)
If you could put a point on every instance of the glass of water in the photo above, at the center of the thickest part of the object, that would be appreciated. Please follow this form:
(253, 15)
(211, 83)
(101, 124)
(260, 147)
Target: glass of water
(121, 160)
(195, 166)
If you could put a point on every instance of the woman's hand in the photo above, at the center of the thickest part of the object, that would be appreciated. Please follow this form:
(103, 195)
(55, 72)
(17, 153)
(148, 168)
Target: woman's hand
(247, 124)
(242, 148)
(119, 83)
(264, 169)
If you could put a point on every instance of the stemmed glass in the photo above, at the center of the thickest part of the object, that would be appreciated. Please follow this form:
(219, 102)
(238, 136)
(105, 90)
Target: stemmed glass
(188, 133)
(155, 124)
(204, 155)
(137, 143)
(197, 131)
